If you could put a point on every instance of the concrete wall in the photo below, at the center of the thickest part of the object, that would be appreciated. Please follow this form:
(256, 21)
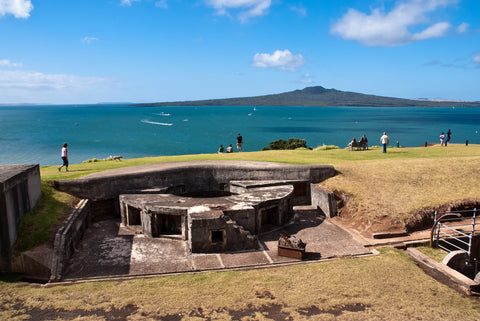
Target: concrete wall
(234, 236)
(324, 199)
(20, 189)
(67, 238)
(195, 176)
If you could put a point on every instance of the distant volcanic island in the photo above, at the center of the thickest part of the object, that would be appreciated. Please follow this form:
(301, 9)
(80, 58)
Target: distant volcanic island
(319, 96)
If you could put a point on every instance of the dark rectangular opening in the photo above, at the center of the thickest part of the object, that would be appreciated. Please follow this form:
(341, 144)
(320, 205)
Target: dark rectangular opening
(133, 216)
(269, 216)
(169, 224)
(217, 236)
(299, 189)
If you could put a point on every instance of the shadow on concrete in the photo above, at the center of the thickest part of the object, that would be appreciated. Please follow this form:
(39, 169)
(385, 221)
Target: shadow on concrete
(102, 252)
(109, 249)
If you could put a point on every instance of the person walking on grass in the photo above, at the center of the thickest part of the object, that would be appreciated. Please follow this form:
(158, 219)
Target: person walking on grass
(64, 156)
(384, 141)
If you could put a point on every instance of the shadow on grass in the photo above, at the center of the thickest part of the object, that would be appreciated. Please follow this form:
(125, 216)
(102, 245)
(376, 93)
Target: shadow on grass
(39, 225)
(9, 277)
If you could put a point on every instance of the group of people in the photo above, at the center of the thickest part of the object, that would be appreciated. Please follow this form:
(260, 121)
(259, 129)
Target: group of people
(445, 139)
(64, 151)
(229, 149)
(362, 143)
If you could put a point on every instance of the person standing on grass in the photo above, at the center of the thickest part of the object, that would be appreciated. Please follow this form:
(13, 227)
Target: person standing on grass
(239, 142)
(64, 156)
(384, 141)
(442, 138)
(448, 137)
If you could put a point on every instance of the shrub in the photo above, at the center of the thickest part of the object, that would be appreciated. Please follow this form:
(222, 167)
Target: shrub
(327, 147)
(291, 143)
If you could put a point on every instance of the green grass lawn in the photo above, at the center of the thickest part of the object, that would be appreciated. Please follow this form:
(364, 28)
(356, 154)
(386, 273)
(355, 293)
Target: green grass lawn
(302, 156)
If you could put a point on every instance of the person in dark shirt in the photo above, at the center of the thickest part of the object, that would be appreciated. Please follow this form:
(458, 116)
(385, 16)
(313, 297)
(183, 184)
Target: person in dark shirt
(239, 142)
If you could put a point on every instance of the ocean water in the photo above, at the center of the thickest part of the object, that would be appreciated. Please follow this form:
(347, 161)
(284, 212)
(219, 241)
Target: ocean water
(34, 134)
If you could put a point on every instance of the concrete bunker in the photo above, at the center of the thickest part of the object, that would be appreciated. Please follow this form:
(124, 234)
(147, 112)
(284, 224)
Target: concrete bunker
(214, 206)
(210, 221)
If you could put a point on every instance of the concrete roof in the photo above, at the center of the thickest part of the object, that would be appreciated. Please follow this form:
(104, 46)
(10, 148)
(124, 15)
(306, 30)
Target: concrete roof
(109, 184)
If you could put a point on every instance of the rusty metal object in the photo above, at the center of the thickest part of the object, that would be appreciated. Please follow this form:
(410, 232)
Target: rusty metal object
(290, 246)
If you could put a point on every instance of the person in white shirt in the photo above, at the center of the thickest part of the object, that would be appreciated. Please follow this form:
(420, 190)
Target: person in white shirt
(64, 156)
(384, 141)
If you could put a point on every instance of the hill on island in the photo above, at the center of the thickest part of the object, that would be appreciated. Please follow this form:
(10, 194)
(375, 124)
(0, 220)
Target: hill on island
(319, 97)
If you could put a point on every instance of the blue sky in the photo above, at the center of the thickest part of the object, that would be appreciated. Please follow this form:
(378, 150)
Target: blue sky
(94, 51)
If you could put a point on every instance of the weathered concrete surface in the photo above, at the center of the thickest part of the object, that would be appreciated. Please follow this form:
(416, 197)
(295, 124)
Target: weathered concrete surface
(20, 189)
(67, 238)
(192, 176)
(237, 216)
(324, 199)
(111, 250)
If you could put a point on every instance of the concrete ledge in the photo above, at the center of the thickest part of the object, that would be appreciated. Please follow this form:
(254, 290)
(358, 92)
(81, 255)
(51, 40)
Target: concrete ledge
(194, 176)
(67, 238)
(468, 286)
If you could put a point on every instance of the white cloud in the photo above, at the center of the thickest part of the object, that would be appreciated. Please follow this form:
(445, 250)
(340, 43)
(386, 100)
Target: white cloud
(17, 8)
(380, 28)
(463, 27)
(307, 79)
(8, 63)
(300, 10)
(161, 4)
(248, 8)
(128, 2)
(435, 31)
(89, 39)
(36, 80)
(283, 60)
(476, 60)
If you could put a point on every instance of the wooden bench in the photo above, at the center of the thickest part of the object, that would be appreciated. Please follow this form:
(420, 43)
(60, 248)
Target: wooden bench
(358, 146)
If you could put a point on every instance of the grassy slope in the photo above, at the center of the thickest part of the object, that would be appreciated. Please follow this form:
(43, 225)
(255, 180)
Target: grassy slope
(331, 156)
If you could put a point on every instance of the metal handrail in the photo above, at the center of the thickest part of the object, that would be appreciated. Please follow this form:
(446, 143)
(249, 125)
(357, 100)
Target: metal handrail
(437, 221)
(445, 233)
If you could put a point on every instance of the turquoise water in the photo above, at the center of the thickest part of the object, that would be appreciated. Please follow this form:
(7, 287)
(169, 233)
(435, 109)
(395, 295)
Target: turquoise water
(34, 134)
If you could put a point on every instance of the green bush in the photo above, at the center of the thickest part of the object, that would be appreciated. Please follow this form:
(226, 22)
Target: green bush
(291, 143)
